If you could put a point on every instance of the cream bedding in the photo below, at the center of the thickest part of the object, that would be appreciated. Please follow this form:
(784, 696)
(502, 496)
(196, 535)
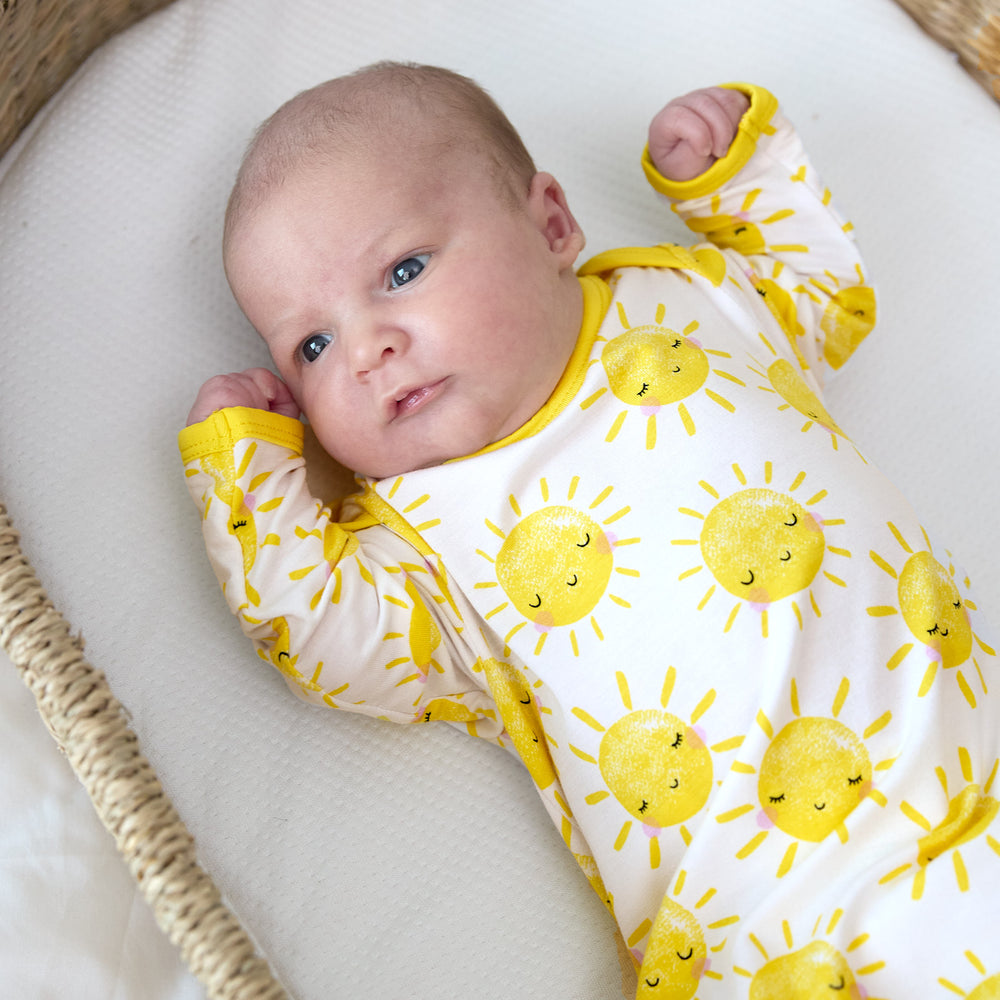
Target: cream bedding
(369, 860)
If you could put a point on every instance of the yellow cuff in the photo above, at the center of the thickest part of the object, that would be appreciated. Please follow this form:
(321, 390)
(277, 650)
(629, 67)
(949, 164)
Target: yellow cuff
(221, 430)
(763, 105)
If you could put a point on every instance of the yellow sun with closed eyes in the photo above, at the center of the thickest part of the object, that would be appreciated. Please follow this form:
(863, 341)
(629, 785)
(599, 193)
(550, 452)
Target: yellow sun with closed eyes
(785, 380)
(556, 563)
(816, 969)
(936, 613)
(657, 767)
(736, 231)
(651, 367)
(677, 953)
(815, 772)
(763, 545)
(968, 815)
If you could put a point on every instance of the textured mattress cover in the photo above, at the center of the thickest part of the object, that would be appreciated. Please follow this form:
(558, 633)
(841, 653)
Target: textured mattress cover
(370, 860)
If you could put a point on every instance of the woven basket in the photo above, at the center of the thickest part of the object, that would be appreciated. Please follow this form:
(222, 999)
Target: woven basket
(42, 42)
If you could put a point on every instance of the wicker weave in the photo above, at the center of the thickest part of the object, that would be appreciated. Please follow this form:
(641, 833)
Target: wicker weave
(42, 42)
(90, 727)
(970, 28)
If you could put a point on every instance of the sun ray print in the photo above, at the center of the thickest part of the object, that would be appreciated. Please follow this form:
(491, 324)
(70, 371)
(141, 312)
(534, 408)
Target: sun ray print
(816, 969)
(785, 381)
(676, 950)
(988, 987)
(557, 563)
(933, 608)
(655, 766)
(651, 367)
(763, 546)
(968, 815)
(815, 771)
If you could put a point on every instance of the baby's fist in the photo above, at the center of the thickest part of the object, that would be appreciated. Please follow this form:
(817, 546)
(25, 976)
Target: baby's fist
(257, 388)
(688, 135)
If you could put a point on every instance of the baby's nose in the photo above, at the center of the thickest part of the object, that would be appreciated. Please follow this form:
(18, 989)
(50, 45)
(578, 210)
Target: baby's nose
(374, 348)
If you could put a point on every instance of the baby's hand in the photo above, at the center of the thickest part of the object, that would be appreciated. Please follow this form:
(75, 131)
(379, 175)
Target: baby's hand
(694, 131)
(256, 387)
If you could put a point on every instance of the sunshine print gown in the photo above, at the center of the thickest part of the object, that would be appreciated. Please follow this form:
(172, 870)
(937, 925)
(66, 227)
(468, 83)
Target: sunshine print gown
(753, 691)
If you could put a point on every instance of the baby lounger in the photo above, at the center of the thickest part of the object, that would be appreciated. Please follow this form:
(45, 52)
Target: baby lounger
(365, 859)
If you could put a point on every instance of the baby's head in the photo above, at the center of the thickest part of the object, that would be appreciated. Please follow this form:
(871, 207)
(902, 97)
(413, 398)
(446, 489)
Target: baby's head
(410, 271)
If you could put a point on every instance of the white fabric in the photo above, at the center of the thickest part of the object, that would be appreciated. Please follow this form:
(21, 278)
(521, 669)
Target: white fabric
(430, 868)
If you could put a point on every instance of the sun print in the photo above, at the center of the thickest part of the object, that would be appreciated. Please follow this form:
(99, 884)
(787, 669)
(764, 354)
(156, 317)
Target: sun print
(656, 766)
(680, 945)
(815, 772)
(557, 562)
(652, 367)
(935, 611)
(763, 546)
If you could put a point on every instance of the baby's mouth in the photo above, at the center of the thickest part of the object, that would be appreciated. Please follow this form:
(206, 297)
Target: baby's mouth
(409, 401)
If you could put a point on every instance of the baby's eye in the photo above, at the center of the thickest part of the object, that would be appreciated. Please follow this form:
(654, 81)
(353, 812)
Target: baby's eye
(313, 346)
(406, 270)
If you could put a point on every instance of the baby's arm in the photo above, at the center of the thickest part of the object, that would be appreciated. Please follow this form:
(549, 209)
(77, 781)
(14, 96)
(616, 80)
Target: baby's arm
(691, 132)
(763, 200)
(256, 388)
(348, 612)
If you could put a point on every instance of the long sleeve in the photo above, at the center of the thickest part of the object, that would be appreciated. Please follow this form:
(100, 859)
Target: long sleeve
(766, 201)
(352, 614)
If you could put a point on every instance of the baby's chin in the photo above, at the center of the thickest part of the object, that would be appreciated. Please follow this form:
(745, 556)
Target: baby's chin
(391, 470)
(448, 448)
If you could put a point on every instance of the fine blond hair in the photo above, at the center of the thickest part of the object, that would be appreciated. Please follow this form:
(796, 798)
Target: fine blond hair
(425, 105)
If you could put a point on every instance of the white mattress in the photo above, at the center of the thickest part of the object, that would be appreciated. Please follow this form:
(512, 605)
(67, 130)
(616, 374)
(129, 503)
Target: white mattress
(368, 860)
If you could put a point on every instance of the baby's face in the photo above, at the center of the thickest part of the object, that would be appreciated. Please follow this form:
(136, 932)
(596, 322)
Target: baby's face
(415, 316)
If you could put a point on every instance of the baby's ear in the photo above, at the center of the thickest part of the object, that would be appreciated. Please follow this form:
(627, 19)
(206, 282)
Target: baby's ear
(549, 209)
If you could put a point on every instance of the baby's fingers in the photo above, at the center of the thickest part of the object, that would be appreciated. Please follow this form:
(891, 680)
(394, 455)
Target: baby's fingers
(719, 111)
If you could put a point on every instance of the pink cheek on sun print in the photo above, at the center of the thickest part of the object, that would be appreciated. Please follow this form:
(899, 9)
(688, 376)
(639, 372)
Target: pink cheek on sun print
(767, 818)
(544, 621)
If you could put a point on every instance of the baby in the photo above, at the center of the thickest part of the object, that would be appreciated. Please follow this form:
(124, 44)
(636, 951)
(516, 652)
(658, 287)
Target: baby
(604, 519)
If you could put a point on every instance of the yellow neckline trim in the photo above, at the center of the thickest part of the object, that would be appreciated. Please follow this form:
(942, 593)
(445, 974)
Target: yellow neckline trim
(704, 260)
